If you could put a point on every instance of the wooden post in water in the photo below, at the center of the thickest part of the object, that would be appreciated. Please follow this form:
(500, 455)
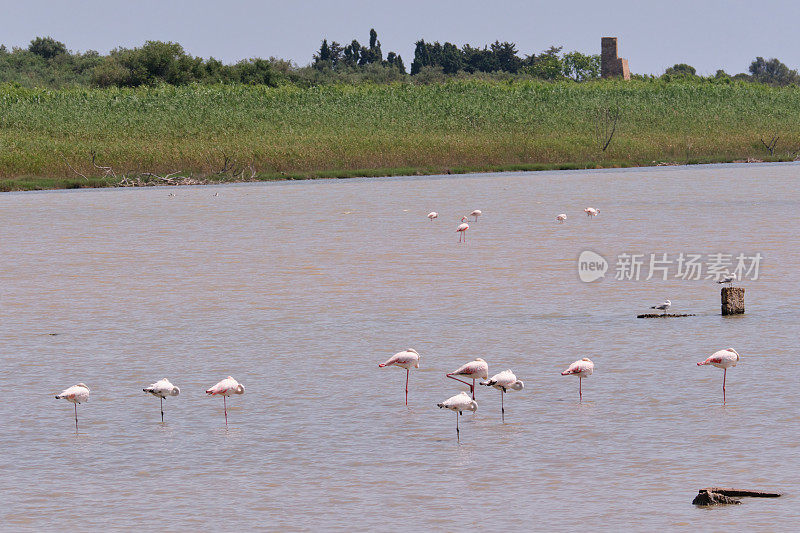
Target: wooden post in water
(732, 300)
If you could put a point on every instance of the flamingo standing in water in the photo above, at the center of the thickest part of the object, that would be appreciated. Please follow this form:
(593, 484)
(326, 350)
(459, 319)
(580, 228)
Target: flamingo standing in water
(161, 389)
(723, 359)
(477, 369)
(476, 214)
(591, 212)
(225, 388)
(462, 229)
(76, 394)
(582, 369)
(407, 359)
(458, 403)
(432, 215)
(561, 218)
(504, 381)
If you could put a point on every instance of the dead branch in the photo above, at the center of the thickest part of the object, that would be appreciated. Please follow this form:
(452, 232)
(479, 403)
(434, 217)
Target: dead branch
(72, 169)
(605, 126)
(107, 171)
(771, 145)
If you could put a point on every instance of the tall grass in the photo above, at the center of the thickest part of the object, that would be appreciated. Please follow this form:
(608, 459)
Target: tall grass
(343, 129)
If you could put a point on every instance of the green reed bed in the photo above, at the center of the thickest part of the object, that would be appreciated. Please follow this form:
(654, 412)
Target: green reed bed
(233, 132)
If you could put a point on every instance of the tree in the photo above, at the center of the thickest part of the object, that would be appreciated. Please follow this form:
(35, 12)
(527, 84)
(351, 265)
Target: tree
(681, 70)
(47, 47)
(773, 72)
(581, 67)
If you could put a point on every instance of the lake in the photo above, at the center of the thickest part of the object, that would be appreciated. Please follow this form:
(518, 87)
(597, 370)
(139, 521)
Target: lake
(299, 289)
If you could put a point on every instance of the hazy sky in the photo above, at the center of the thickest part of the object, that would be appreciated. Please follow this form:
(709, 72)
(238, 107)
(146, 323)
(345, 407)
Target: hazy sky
(708, 34)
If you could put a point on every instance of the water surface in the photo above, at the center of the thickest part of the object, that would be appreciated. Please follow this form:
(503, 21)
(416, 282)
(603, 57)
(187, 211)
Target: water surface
(298, 289)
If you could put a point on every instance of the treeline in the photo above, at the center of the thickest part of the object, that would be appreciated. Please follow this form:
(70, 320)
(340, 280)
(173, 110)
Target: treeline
(47, 62)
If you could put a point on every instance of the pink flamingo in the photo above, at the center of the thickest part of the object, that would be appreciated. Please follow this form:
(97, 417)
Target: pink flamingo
(723, 359)
(458, 403)
(225, 388)
(476, 214)
(504, 381)
(407, 359)
(582, 369)
(462, 229)
(477, 369)
(76, 394)
(432, 215)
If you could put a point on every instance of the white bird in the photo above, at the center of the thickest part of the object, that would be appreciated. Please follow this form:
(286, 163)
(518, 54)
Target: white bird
(723, 359)
(407, 359)
(161, 389)
(476, 214)
(477, 369)
(76, 394)
(504, 381)
(225, 388)
(458, 403)
(729, 279)
(432, 215)
(662, 306)
(561, 218)
(591, 212)
(582, 369)
(462, 230)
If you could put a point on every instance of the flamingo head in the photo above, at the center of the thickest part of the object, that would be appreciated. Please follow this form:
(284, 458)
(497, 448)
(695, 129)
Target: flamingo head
(239, 389)
(473, 406)
(175, 391)
(518, 385)
(464, 218)
(737, 353)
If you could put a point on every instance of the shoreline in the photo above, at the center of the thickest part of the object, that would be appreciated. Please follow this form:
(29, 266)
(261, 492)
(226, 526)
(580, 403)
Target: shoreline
(31, 183)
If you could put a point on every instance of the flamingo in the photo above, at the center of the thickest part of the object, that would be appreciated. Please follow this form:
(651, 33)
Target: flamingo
(582, 369)
(432, 215)
(462, 229)
(458, 403)
(591, 212)
(476, 214)
(723, 359)
(407, 359)
(561, 218)
(662, 306)
(162, 389)
(225, 388)
(504, 381)
(477, 369)
(76, 394)
(729, 279)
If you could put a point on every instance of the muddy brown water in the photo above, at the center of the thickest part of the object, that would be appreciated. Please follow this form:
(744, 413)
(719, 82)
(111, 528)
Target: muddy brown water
(298, 289)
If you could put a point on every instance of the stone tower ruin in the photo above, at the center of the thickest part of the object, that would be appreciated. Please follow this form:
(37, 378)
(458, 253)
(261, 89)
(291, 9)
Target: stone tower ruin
(612, 66)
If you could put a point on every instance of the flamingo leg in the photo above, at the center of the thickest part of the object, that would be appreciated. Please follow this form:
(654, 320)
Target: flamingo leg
(225, 405)
(502, 404)
(76, 417)
(162, 410)
(458, 433)
(407, 372)
(724, 374)
(461, 380)
(580, 388)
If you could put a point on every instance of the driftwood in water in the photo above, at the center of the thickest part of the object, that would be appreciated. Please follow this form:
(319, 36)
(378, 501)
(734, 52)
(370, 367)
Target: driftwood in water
(732, 300)
(662, 315)
(720, 496)
(740, 493)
